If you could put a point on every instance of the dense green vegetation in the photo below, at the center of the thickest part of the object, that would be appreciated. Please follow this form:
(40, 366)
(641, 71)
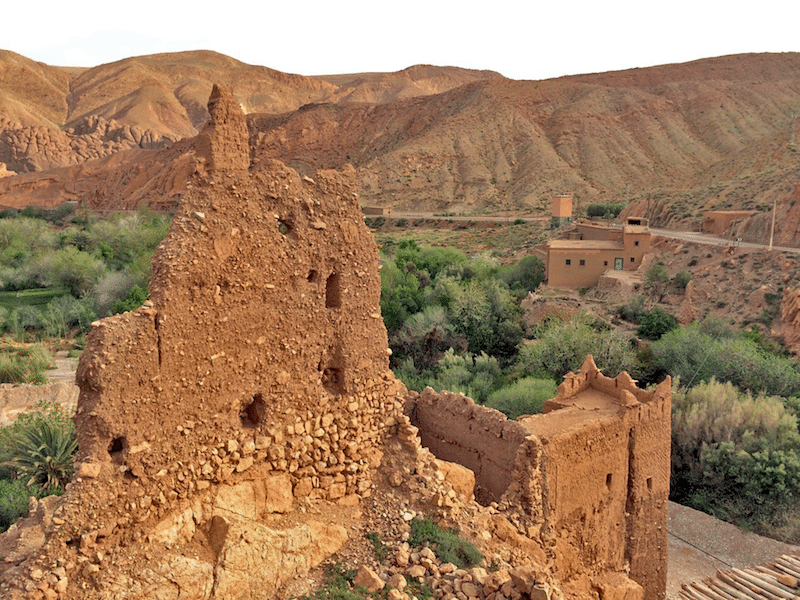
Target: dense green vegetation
(454, 322)
(60, 270)
(607, 210)
(737, 456)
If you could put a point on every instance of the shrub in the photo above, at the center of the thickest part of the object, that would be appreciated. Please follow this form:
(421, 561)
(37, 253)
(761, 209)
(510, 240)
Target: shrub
(682, 279)
(656, 323)
(25, 364)
(524, 276)
(39, 447)
(694, 356)
(562, 347)
(450, 547)
(526, 396)
(735, 455)
(656, 280)
(633, 309)
(132, 300)
(14, 497)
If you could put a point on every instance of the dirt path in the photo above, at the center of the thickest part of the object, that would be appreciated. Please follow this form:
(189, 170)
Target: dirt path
(700, 544)
(65, 369)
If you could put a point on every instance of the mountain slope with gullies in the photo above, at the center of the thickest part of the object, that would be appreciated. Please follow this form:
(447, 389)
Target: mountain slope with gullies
(672, 140)
(56, 116)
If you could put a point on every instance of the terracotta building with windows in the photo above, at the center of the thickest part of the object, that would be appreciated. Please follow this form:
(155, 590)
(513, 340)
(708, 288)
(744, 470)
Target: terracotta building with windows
(577, 263)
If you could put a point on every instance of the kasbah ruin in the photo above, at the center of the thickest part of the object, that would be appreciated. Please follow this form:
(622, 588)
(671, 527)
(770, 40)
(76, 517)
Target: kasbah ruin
(243, 426)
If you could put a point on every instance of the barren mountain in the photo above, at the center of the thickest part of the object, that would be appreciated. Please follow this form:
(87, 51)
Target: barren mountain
(673, 140)
(52, 117)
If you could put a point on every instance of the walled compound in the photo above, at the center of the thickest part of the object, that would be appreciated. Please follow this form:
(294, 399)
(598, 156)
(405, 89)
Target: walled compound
(232, 430)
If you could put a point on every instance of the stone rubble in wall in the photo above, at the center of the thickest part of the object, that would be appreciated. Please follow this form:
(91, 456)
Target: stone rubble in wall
(448, 582)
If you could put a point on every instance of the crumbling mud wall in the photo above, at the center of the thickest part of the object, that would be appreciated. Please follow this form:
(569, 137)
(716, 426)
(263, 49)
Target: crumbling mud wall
(456, 429)
(255, 376)
(589, 477)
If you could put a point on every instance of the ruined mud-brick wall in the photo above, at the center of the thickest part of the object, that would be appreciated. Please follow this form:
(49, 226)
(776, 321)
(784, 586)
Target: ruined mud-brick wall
(589, 478)
(262, 343)
(260, 355)
(605, 467)
(456, 429)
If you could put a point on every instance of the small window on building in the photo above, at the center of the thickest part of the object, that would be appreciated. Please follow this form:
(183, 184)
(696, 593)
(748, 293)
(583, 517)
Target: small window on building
(569, 262)
(636, 242)
(583, 262)
(605, 263)
(633, 259)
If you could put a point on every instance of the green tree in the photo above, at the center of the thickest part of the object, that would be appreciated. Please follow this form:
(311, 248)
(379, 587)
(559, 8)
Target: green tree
(135, 297)
(71, 268)
(525, 276)
(656, 323)
(562, 345)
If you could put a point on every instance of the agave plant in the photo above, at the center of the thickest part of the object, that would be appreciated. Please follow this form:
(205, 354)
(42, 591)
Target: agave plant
(42, 453)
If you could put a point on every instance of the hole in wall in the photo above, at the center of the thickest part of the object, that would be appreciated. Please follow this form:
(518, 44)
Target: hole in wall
(332, 379)
(313, 276)
(649, 483)
(608, 480)
(254, 412)
(285, 226)
(117, 445)
(333, 291)
(117, 449)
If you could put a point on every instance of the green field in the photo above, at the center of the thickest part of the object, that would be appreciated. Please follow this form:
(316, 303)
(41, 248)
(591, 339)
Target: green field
(35, 297)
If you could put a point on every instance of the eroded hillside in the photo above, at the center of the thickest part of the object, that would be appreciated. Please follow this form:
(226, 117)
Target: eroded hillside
(674, 140)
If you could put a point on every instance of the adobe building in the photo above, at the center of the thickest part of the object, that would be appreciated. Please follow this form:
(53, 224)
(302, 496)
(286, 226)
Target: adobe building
(562, 210)
(578, 263)
(590, 474)
(718, 221)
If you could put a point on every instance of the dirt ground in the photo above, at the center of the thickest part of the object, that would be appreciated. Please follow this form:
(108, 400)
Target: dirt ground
(699, 545)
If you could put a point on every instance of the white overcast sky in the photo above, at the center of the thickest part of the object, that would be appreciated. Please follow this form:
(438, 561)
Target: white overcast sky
(520, 39)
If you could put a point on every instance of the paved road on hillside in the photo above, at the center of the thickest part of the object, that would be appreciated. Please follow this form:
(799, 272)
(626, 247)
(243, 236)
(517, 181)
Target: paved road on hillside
(701, 238)
(688, 236)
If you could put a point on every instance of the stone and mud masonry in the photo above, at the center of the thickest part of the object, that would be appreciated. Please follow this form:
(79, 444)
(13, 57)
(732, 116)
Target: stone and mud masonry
(242, 430)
